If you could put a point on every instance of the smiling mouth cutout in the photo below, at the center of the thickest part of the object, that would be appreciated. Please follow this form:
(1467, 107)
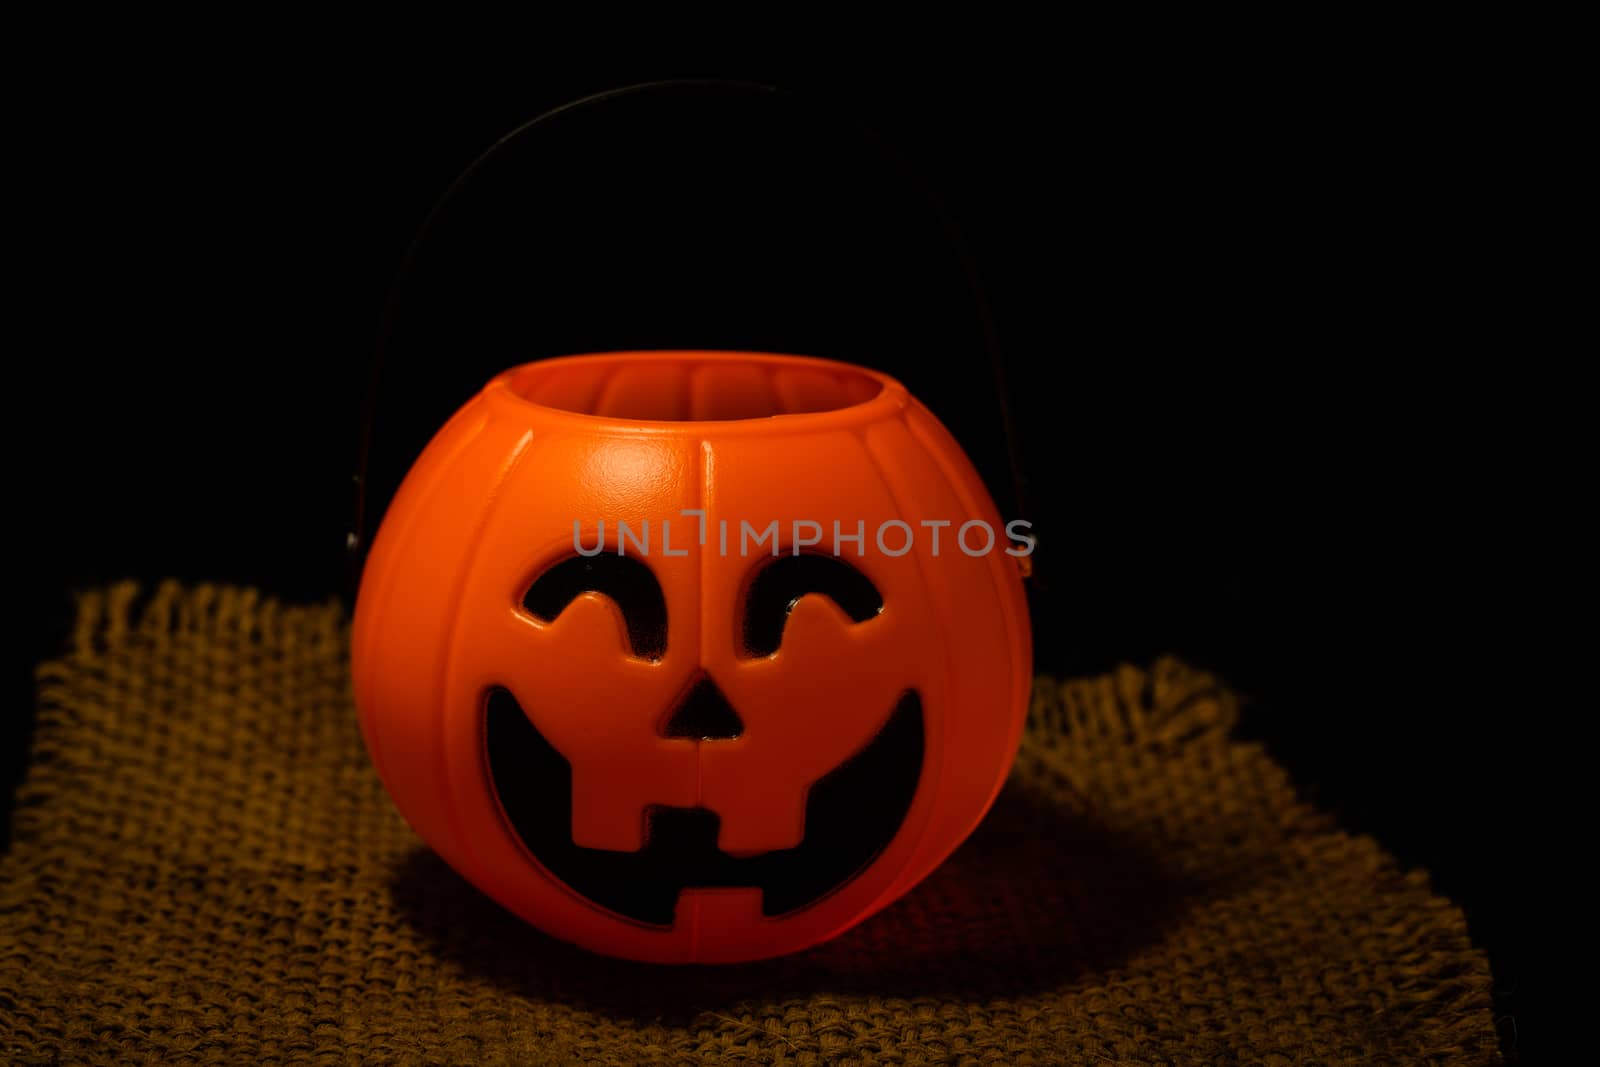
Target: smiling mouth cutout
(852, 813)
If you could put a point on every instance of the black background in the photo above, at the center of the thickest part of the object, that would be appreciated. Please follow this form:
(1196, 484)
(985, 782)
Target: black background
(1249, 298)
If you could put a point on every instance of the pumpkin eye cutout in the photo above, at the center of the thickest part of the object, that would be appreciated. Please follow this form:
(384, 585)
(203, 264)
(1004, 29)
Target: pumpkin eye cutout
(778, 587)
(629, 584)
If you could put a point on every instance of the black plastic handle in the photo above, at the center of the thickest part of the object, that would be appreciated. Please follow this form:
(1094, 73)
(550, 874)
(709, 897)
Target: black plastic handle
(453, 315)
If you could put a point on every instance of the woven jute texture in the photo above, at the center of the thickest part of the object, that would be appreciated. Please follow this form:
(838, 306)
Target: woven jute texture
(206, 870)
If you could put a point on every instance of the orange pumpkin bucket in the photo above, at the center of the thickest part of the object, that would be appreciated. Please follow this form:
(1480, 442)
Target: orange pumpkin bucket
(693, 656)
(612, 665)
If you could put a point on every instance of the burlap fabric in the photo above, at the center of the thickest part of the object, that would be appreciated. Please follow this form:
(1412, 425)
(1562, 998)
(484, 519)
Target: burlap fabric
(206, 869)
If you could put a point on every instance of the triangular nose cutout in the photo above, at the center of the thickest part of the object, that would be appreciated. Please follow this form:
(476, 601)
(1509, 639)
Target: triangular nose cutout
(704, 715)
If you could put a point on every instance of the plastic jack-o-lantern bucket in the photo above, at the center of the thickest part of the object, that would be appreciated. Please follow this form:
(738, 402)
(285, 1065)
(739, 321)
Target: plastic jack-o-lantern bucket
(692, 656)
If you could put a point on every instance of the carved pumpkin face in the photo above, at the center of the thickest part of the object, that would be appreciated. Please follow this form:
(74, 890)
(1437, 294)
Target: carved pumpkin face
(649, 732)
